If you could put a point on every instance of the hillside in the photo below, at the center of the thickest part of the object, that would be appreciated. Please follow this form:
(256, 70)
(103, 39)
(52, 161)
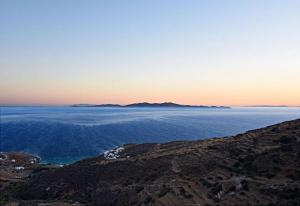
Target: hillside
(259, 167)
(155, 105)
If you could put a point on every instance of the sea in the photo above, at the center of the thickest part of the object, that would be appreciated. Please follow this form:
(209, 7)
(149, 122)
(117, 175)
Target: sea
(64, 134)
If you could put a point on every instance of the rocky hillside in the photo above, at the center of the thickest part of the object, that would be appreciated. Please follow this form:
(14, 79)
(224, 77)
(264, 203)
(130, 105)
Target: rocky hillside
(259, 167)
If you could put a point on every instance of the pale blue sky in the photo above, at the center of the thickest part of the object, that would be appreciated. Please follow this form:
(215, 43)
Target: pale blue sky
(202, 52)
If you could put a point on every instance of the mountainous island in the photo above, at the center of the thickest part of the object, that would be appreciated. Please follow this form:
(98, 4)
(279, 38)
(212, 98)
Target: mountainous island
(146, 104)
(259, 167)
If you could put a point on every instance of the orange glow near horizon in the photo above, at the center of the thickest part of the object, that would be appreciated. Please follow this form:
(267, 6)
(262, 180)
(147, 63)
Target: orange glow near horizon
(225, 96)
(232, 88)
(200, 53)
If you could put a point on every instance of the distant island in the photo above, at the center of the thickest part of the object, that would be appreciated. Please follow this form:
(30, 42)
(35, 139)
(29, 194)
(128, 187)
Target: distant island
(146, 104)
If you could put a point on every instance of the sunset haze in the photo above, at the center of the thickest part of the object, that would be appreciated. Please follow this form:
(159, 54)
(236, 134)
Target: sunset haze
(190, 52)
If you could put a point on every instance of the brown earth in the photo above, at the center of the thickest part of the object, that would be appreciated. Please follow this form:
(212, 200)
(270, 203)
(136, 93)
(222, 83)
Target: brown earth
(259, 167)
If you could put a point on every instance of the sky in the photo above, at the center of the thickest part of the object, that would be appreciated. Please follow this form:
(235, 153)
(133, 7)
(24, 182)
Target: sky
(211, 52)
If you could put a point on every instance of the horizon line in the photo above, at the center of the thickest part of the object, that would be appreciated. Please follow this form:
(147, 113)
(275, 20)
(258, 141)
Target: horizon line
(57, 104)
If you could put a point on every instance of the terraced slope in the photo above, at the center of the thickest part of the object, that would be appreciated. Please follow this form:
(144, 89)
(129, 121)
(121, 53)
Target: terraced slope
(259, 167)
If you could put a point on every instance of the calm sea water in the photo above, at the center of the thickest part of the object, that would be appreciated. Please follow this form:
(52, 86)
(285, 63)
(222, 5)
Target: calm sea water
(66, 134)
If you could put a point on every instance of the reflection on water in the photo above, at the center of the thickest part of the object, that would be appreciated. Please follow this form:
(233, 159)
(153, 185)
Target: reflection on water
(64, 134)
